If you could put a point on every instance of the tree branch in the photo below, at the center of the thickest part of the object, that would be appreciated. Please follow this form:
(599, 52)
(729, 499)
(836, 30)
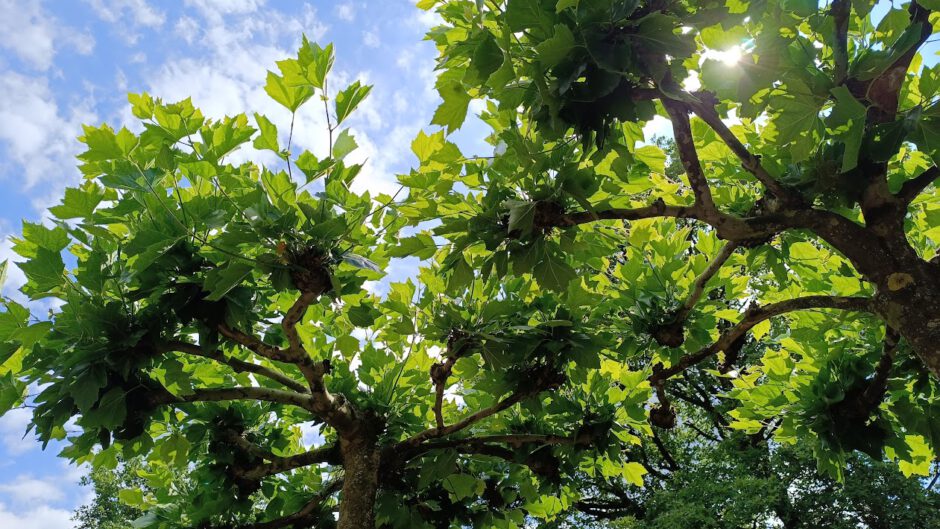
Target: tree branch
(682, 131)
(236, 364)
(336, 412)
(915, 186)
(305, 513)
(255, 345)
(702, 281)
(277, 396)
(326, 454)
(664, 452)
(750, 162)
(840, 11)
(875, 391)
(755, 315)
(883, 91)
(469, 420)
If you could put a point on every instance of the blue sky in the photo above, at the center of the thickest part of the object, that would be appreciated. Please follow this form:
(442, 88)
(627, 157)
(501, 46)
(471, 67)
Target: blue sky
(64, 63)
(68, 62)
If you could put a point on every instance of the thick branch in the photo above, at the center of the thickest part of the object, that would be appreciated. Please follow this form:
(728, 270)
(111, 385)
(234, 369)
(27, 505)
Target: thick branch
(701, 281)
(292, 317)
(749, 161)
(277, 396)
(875, 391)
(440, 372)
(883, 91)
(469, 420)
(236, 364)
(755, 315)
(255, 345)
(336, 413)
(915, 186)
(840, 11)
(682, 131)
(327, 454)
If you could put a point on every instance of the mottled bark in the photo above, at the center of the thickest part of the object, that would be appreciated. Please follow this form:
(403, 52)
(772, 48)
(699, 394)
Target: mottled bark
(361, 458)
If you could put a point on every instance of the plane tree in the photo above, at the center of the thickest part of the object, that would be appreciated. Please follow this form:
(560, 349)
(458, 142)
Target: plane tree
(227, 320)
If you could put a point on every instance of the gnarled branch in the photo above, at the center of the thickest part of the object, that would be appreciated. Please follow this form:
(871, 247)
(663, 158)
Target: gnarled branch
(755, 315)
(236, 364)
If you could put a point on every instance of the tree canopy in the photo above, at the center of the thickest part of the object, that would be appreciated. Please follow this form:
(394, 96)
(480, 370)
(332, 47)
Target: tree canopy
(207, 313)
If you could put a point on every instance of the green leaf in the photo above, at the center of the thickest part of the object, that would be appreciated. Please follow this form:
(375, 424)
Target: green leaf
(526, 14)
(131, 497)
(463, 485)
(44, 272)
(565, 4)
(659, 32)
(848, 115)
(311, 166)
(363, 315)
(521, 216)
(487, 57)
(553, 50)
(291, 97)
(79, 203)
(461, 275)
(53, 239)
(110, 411)
(344, 144)
(221, 281)
(802, 8)
(653, 157)
(453, 111)
(11, 392)
(633, 472)
(267, 140)
(553, 273)
(349, 99)
(315, 62)
(421, 246)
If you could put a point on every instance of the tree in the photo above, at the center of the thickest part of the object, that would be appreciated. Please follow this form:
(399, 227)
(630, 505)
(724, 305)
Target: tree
(109, 508)
(212, 310)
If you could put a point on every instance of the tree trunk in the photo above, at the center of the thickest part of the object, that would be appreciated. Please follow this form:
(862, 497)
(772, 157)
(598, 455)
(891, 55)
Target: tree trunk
(909, 300)
(360, 483)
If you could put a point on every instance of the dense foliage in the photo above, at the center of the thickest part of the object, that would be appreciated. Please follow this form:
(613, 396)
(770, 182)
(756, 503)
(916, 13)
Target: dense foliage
(207, 313)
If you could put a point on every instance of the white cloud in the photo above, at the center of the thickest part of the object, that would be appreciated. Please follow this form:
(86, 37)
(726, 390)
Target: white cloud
(41, 517)
(121, 11)
(187, 29)
(346, 11)
(371, 38)
(213, 8)
(31, 33)
(12, 432)
(39, 138)
(26, 489)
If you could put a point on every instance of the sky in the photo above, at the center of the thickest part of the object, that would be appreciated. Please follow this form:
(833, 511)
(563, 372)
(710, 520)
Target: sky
(68, 62)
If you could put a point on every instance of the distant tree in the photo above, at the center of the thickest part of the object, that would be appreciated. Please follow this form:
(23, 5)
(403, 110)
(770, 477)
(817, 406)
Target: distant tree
(212, 311)
(109, 508)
